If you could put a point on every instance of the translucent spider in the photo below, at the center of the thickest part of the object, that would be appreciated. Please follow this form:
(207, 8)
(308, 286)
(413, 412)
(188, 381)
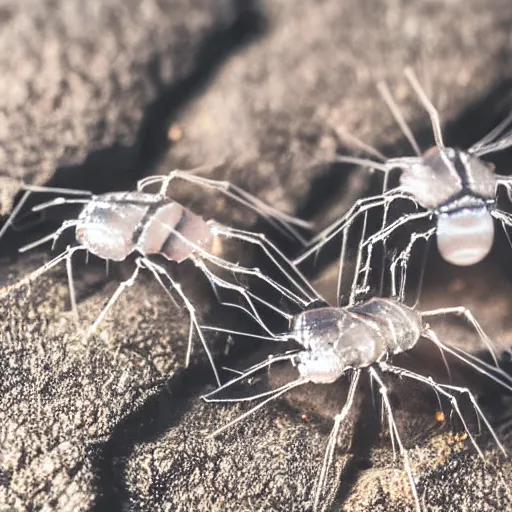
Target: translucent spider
(455, 189)
(364, 337)
(115, 225)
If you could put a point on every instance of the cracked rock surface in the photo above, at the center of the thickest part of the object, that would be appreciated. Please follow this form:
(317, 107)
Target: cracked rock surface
(96, 95)
(84, 76)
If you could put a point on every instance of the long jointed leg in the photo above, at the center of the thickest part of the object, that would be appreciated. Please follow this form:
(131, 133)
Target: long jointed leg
(382, 235)
(215, 281)
(394, 432)
(428, 106)
(331, 443)
(276, 394)
(53, 236)
(355, 287)
(256, 272)
(483, 365)
(344, 222)
(343, 253)
(349, 139)
(399, 118)
(114, 297)
(363, 162)
(245, 374)
(198, 253)
(293, 275)
(71, 283)
(14, 213)
(472, 361)
(65, 256)
(504, 217)
(469, 317)
(403, 260)
(280, 337)
(251, 271)
(29, 189)
(442, 389)
(281, 221)
(159, 271)
(244, 292)
(402, 162)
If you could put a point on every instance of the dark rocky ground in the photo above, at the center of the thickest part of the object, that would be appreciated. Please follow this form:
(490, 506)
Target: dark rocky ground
(96, 95)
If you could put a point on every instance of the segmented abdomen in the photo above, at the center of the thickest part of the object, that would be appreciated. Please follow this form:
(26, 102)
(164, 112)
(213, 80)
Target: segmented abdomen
(115, 224)
(174, 232)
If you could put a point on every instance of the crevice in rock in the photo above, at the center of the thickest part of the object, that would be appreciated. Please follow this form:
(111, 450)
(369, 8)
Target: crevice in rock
(155, 417)
(117, 167)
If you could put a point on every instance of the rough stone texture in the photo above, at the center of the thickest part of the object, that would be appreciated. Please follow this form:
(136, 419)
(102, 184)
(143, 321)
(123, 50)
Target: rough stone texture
(63, 395)
(81, 78)
(273, 107)
(101, 93)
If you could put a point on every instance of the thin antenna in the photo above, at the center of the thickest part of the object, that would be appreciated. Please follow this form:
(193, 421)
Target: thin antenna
(493, 147)
(493, 134)
(397, 114)
(358, 143)
(427, 105)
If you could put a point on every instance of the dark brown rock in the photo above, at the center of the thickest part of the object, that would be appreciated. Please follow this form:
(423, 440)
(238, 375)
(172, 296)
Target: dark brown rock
(99, 94)
(84, 80)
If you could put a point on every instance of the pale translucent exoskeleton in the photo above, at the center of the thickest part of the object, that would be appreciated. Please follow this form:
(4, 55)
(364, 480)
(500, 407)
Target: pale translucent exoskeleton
(456, 190)
(336, 342)
(115, 225)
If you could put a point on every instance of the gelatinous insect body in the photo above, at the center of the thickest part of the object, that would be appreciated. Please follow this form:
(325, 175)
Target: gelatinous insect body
(454, 189)
(461, 191)
(114, 225)
(444, 175)
(339, 341)
(336, 339)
